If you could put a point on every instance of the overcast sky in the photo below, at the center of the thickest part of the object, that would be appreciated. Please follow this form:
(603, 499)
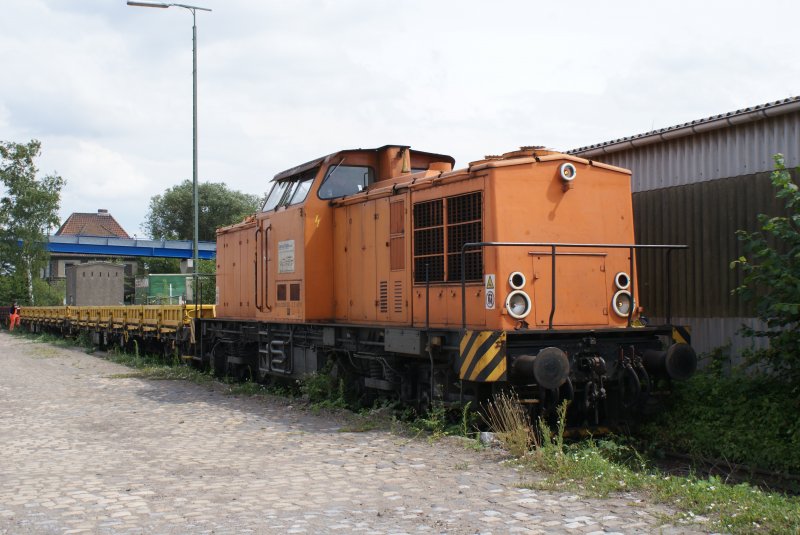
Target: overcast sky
(107, 88)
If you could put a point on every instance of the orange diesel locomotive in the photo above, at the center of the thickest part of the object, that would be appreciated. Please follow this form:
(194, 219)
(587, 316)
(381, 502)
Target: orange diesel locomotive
(410, 279)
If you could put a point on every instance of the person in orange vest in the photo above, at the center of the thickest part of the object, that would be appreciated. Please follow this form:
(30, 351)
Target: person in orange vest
(13, 318)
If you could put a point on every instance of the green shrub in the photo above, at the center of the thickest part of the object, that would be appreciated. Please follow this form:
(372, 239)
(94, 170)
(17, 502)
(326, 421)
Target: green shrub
(771, 270)
(323, 391)
(750, 419)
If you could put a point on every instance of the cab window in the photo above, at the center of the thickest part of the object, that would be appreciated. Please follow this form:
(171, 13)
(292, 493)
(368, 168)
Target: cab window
(301, 190)
(341, 180)
(291, 190)
(275, 196)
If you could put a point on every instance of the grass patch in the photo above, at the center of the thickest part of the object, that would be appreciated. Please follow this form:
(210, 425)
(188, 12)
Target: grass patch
(155, 367)
(276, 387)
(380, 417)
(47, 338)
(602, 467)
(322, 391)
(250, 389)
(585, 468)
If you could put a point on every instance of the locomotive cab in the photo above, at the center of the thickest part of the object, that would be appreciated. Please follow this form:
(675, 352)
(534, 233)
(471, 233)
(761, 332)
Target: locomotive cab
(281, 264)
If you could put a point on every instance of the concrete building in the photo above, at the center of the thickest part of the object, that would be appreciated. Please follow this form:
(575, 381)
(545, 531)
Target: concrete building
(95, 284)
(697, 184)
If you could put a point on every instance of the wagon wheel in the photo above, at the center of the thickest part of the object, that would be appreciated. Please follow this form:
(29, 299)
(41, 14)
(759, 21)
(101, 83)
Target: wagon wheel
(218, 359)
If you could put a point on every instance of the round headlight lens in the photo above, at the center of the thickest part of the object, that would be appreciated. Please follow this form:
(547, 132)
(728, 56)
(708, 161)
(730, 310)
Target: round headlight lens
(516, 280)
(567, 172)
(518, 304)
(622, 280)
(622, 303)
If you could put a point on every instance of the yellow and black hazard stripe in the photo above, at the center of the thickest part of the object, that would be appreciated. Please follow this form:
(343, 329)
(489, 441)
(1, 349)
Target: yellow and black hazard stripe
(482, 356)
(682, 334)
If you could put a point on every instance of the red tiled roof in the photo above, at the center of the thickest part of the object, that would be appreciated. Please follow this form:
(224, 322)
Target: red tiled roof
(101, 224)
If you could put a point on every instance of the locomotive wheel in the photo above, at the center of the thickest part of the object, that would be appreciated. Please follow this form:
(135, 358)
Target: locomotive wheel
(241, 372)
(352, 387)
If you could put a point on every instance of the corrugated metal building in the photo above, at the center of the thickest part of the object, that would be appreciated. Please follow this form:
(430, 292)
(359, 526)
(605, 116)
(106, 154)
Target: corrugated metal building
(697, 184)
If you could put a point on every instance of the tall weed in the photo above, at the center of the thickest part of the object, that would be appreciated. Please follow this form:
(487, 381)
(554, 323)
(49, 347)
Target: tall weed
(509, 421)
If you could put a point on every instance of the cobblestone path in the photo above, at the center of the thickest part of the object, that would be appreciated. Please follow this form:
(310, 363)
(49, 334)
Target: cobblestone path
(84, 452)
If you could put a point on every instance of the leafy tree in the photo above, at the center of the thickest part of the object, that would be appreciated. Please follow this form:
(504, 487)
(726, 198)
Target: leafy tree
(28, 209)
(46, 294)
(162, 265)
(207, 282)
(171, 214)
(771, 268)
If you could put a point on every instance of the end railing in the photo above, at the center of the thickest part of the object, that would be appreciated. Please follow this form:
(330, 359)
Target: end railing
(553, 252)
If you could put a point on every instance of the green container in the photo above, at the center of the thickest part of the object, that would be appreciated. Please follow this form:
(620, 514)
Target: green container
(163, 289)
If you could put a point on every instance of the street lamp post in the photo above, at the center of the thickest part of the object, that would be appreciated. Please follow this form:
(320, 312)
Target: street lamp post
(193, 9)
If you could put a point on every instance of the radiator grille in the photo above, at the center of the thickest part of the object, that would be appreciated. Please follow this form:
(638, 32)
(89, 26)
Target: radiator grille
(441, 228)
(463, 208)
(435, 268)
(428, 214)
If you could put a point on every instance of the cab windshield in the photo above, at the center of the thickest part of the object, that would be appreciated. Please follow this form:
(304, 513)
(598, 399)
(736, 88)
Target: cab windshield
(341, 180)
(290, 190)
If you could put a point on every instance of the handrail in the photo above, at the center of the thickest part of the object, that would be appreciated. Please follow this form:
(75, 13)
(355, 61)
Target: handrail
(255, 267)
(553, 247)
(266, 267)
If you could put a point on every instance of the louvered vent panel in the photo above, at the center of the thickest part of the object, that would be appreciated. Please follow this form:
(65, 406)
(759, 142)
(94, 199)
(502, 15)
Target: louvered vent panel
(384, 297)
(398, 297)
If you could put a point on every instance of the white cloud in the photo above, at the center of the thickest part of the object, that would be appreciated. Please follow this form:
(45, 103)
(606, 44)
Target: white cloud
(107, 87)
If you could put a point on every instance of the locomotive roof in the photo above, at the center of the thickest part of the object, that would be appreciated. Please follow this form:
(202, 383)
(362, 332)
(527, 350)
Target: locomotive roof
(318, 161)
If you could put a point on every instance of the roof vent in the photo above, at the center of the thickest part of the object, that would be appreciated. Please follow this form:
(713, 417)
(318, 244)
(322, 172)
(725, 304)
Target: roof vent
(102, 211)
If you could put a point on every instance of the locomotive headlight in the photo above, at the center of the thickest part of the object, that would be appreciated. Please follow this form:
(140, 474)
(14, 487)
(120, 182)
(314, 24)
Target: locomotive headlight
(622, 280)
(567, 172)
(622, 303)
(518, 304)
(516, 280)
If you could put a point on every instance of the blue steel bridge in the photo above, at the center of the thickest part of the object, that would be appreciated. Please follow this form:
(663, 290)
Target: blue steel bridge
(92, 245)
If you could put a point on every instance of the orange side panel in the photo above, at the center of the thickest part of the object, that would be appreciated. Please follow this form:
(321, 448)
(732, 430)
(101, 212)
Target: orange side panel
(285, 264)
(382, 256)
(319, 273)
(400, 262)
(341, 249)
(235, 272)
(361, 257)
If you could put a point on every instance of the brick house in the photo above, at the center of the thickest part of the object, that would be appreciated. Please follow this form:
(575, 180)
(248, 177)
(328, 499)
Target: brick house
(101, 224)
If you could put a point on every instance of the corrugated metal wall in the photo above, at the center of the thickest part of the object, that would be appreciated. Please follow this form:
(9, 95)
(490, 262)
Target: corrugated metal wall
(699, 190)
(705, 216)
(738, 150)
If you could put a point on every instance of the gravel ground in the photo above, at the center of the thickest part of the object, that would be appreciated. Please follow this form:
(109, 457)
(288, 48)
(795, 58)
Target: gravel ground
(86, 452)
